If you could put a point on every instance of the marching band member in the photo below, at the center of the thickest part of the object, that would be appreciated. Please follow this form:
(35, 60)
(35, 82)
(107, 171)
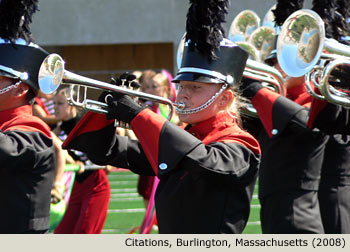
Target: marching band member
(27, 152)
(334, 191)
(292, 154)
(207, 170)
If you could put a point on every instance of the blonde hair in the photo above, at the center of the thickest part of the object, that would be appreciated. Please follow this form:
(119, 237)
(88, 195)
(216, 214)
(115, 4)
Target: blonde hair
(146, 76)
(235, 105)
(163, 81)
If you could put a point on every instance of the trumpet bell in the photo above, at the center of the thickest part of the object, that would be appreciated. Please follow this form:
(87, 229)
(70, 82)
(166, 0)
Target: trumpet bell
(51, 73)
(300, 42)
(243, 25)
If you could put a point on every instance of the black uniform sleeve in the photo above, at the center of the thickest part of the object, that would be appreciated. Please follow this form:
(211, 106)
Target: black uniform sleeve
(17, 148)
(218, 158)
(223, 159)
(331, 119)
(125, 153)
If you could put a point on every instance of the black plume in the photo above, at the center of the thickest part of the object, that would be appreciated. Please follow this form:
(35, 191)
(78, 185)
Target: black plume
(204, 25)
(343, 7)
(333, 14)
(15, 19)
(326, 9)
(284, 8)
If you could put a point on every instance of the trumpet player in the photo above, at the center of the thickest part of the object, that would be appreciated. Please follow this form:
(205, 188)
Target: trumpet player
(27, 152)
(208, 169)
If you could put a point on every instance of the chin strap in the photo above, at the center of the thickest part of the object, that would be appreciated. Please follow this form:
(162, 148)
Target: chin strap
(8, 88)
(200, 108)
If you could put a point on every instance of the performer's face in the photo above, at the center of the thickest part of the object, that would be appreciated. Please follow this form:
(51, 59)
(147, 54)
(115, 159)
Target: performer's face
(195, 94)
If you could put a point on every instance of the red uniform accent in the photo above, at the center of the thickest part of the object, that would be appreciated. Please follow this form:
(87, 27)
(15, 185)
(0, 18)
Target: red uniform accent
(264, 100)
(316, 107)
(144, 186)
(222, 133)
(300, 96)
(150, 134)
(84, 125)
(24, 121)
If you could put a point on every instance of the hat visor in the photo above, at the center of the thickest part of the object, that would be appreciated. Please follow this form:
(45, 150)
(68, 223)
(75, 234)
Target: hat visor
(4, 72)
(195, 77)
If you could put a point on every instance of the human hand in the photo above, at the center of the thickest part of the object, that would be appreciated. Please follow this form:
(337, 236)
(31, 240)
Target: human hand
(81, 167)
(123, 107)
(56, 195)
(250, 87)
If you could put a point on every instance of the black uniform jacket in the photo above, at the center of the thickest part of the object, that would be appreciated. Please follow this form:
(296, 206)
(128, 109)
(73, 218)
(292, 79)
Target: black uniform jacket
(207, 172)
(335, 178)
(27, 167)
(330, 118)
(292, 153)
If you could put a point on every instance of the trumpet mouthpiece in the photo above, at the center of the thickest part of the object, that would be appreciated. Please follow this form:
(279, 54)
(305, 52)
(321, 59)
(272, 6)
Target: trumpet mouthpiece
(180, 105)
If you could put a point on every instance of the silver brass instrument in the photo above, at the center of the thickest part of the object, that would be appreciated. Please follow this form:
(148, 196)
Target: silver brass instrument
(52, 74)
(302, 48)
(329, 92)
(269, 18)
(180, 50)
(268, 76)
(243, 25)
(254, 53)
(263, 39)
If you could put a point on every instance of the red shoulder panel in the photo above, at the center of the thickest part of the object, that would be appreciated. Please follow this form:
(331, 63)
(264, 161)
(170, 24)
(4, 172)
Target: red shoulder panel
(147, 126)
(316, 107)
(263, 102)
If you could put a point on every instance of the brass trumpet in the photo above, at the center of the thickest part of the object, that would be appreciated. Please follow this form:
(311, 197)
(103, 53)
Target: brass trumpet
(302, 48)
(52, 74)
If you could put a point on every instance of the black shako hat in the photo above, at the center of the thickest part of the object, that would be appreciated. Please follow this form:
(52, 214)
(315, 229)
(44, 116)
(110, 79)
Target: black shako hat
(22, 62)
(207, 55)
(20, 58)
(227, 68)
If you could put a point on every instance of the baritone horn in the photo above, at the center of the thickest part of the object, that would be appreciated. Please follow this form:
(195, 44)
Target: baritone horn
(268, 76)
(52, 74)
(243, 25)
(303, 49)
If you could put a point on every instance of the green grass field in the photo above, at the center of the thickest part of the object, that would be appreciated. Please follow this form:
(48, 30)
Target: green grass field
(126, 208)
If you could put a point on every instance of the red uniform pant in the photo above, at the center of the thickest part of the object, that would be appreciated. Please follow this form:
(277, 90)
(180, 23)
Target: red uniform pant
(87, 207)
